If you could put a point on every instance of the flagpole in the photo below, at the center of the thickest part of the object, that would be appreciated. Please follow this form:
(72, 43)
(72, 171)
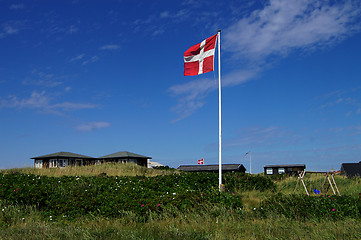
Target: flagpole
(220, 110)
(250, 162)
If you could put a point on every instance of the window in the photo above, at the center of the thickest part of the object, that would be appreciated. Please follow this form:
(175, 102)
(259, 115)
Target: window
(281, 170)
(38, 163)
(133, 160)
(62, 162)
(52, 163)
(269, 171)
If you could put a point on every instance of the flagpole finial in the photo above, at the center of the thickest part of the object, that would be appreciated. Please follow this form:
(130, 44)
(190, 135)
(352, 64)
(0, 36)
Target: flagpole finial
(219, 30)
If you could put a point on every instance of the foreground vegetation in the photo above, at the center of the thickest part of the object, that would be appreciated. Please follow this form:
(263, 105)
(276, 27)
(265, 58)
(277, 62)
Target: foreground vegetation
(99, 202)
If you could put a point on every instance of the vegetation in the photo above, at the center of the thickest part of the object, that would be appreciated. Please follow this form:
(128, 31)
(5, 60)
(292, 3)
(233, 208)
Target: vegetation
(108, 169)
(125, 201)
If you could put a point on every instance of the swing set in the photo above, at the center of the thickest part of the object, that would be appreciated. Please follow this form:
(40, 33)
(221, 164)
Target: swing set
(328, 182)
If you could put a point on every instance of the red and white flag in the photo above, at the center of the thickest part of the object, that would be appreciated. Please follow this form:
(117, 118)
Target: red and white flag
(199, 58)
(200, 161)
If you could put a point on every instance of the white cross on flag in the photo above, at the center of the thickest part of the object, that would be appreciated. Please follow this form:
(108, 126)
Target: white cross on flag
(199, 58)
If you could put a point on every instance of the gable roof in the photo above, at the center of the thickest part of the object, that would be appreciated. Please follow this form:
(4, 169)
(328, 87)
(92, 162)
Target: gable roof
(351, 169)
(204, 168)
(285, 166)
(124, 154)
(62, 154)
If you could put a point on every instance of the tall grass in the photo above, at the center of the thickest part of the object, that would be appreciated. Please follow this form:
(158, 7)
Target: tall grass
(214, 223)
(287, 185)
(346, 186)
(109, 169)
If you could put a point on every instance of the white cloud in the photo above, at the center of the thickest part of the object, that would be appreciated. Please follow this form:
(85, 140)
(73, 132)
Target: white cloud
(110, 47)
(17, 6)
(346, 99)
(77, 58)
(283, 26)
(67, 106)
(91, 126)
(90, 60)
(272, 33)
(257, 136)
(40, 78)
(191, 96)
(73, 29)
(42, 102)
(9, 28)
(181, 14)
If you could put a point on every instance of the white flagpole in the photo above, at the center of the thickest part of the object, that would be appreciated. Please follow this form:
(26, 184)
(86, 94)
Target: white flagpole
(220, 110)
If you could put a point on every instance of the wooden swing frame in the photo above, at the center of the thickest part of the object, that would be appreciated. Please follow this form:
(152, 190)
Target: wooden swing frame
(329, 176)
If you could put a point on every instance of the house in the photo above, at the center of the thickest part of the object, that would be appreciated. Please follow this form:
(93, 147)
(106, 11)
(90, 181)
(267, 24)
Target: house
(62, 159)
(152, 164)
(125, 157)
(213, 168)
(351, 169)
(290, 169)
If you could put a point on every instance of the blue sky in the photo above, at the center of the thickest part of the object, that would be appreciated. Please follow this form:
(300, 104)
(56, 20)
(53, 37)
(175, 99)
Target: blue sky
(98, 77)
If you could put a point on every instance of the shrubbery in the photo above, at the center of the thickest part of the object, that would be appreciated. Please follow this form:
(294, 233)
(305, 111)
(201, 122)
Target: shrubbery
(72, 196)
(247, 182)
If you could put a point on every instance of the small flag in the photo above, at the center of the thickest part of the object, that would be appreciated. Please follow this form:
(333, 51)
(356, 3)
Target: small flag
(246, 153)
(199, 58)
(200, 161)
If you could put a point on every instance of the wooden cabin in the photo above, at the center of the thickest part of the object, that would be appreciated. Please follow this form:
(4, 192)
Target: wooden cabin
(351, 169)
(290, 169)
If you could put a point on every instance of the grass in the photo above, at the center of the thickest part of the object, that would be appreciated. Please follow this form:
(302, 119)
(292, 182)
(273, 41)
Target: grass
(209, 223)
(110, 169)
(201, 225)
(346, 186)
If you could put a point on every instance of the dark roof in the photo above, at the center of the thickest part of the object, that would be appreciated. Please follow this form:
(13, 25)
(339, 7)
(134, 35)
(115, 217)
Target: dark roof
(351, 169)
(200, 168)
(62, 154)
(124, 154)
(285, 166)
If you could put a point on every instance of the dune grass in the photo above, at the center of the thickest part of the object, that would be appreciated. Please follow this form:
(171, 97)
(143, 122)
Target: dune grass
(109, 169)
(210, 224)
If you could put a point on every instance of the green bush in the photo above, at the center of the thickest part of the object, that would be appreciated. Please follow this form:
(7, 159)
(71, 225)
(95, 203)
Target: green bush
(247, 182)
(72, 196)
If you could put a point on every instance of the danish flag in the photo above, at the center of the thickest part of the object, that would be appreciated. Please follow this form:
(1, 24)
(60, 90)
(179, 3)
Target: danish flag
(200, 161)
(199, 58)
